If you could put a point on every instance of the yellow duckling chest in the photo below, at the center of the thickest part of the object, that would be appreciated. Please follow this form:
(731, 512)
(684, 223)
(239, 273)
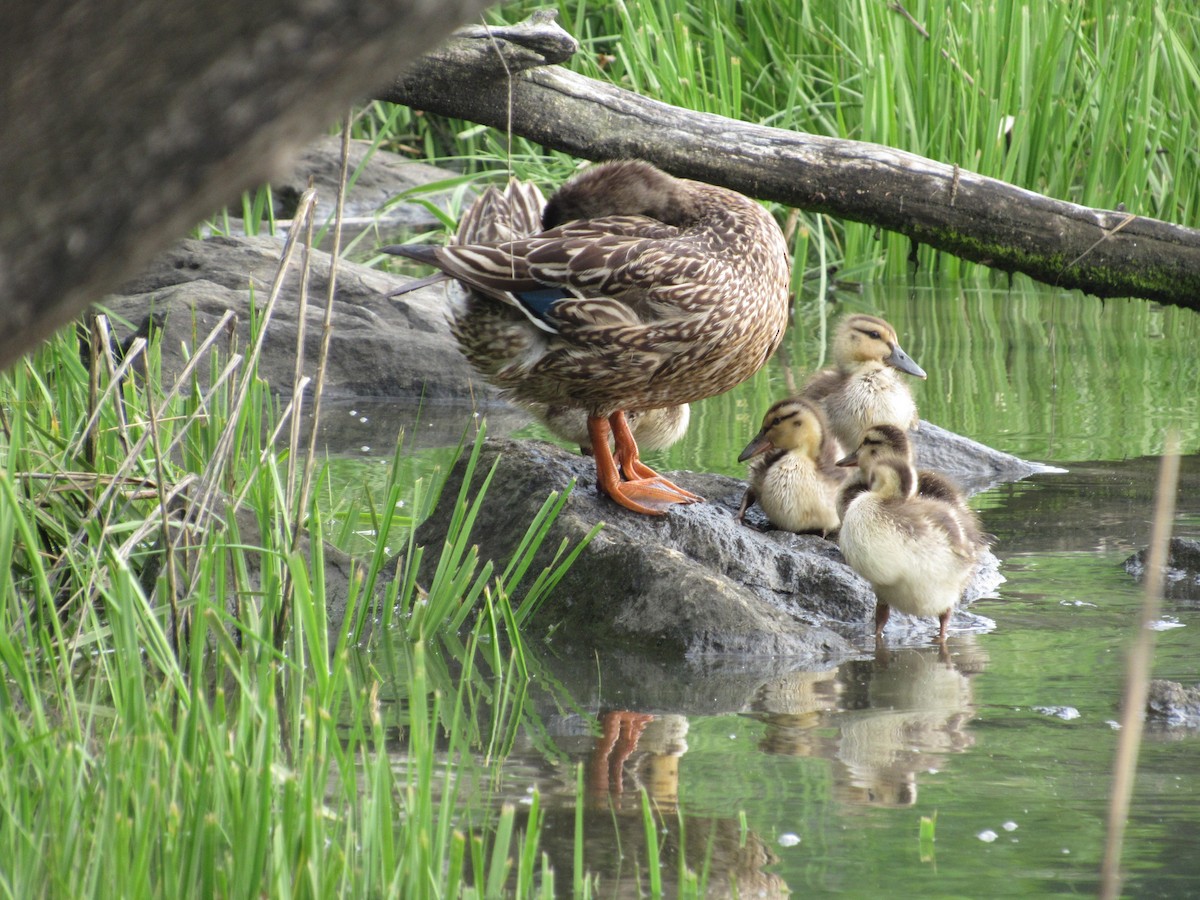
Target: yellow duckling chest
(877, 397)
(794, 495)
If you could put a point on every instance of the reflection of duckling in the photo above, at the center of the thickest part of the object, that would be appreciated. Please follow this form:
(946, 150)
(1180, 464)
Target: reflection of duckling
(794, 708)
(653, 429)
(918, 707)
(917, 552)
(793, 474)
(864, 388)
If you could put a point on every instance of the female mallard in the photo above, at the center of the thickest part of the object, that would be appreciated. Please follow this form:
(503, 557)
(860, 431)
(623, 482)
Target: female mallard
(636, 291)
(793, 471)
(864, 388)
(917, 552)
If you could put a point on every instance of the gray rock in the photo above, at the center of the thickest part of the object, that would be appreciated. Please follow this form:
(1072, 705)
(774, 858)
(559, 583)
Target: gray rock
(1171, 704)
(973, 466)
(691, 584)
(374, 199)
(1182, 581)
(380, 347)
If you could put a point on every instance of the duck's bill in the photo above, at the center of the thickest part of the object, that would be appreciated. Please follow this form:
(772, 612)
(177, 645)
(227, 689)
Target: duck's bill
(902, 361)
(849, 460)
(759, 445)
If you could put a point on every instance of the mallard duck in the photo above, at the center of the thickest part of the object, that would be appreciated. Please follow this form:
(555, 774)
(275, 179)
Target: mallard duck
(636, 291)
(793, 471)
(917, 552)
(863, 387)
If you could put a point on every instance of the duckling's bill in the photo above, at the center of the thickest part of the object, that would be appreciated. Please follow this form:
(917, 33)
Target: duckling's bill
(760, 444)
(902, 361)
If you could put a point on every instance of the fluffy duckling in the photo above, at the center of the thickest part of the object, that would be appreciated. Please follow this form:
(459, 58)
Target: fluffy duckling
(653, 429)
(793, 475)
(931, 485)
(864, 387)
(917, 551)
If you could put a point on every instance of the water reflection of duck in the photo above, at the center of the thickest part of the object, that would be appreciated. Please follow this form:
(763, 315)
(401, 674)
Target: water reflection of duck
(880, 721)
(918, 704)
(637, 750)
(638, 291)
(793, 471)
(864, 387)
(918, 552)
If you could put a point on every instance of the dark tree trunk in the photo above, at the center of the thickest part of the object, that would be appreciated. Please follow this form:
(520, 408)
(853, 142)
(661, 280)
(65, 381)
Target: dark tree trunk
(127, 121)
(980, 219)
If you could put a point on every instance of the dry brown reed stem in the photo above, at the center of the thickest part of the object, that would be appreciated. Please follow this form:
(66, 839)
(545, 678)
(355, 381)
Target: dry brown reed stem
(168, 539)
(322, 363)
(299, 384)
(327, 321)
(212, 475)
(1137, 674)
(119, 478)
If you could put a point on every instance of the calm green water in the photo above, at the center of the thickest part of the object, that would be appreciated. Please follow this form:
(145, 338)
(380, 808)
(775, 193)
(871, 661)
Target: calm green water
(1009, 742)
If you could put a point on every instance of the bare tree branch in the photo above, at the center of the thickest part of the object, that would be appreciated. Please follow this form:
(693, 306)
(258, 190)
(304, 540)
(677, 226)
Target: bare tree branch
(980, 219)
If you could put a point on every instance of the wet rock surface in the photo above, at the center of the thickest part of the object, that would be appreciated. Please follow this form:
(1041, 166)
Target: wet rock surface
(1172, 705)
(694, 583)
(1182, 581)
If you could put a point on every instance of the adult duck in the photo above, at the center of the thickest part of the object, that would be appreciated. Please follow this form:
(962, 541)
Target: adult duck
(793, 473)
(864, 387)
(918, 552)
(636, 290)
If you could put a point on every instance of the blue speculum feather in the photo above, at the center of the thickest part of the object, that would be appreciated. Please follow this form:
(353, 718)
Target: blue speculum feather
(539, 302)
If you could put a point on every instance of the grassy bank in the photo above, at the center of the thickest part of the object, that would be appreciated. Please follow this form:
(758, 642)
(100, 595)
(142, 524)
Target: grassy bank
(1096, 103)
(183, 709)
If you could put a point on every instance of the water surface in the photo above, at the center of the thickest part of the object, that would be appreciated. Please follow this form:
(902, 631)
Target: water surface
(816, 782)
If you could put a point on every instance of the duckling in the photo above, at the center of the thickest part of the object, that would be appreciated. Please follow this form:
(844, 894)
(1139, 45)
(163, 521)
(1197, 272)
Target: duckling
(888, 441)
(793, 475)
(635, 291)
(653, 429)
(918, 552)
(864, 388)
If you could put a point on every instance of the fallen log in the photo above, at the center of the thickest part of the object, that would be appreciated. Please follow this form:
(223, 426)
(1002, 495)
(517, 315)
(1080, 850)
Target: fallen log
(506, 79)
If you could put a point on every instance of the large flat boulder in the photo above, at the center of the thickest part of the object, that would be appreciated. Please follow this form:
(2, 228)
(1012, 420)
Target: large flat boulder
(694, 583)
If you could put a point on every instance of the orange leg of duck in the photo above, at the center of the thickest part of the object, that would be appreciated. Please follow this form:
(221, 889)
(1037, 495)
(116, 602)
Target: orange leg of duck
(643, 490)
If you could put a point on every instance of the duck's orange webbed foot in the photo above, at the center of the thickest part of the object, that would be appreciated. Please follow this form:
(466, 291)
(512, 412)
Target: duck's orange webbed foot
(642, 489)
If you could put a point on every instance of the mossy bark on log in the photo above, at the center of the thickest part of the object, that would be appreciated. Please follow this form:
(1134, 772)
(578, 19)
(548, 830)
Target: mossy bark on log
(507, 81)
